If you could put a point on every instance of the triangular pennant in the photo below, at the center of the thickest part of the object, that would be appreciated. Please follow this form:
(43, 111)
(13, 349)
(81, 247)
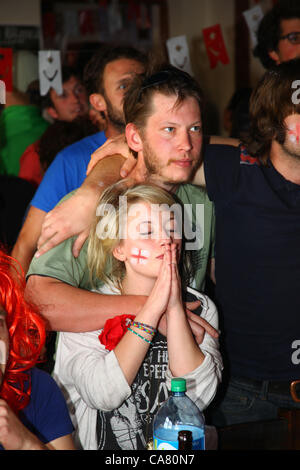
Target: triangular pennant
(179, 55)
(50, 72)
(253, 17)
(215, 45)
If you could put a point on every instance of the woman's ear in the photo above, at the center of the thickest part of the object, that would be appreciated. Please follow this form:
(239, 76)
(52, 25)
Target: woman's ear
(52, 112)
(118, 253)
(98, 102)
(133, 138)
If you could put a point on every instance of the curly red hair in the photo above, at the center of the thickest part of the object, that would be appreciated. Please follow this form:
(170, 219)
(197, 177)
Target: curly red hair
(26, 334)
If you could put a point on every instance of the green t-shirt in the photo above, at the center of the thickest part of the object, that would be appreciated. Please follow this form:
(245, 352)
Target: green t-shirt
(60, 264)
(20, 126)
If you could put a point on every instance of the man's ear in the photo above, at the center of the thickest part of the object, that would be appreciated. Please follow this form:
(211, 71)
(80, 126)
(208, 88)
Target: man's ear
(119, 253)
(52, 112)
(133, 138)
(98, 102)
(274, 56)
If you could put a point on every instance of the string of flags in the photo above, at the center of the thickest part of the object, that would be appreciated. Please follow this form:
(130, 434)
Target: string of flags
(177, 47)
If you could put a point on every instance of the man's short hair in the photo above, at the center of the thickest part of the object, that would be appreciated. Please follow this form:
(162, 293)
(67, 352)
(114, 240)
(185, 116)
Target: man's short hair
(94, 69)
(274, 98)
(269, 30)
(66, 74)
(164, 79)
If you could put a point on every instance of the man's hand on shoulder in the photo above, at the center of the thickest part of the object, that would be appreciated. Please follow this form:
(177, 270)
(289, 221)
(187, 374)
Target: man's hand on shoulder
(72, 217)
(117, 145)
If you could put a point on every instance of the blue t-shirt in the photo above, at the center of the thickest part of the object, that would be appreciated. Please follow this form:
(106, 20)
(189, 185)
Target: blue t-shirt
(257, 263)
(47, 415)
(66, 172)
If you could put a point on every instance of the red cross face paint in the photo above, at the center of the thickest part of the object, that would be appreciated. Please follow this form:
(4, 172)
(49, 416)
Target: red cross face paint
(294, 133)
(291, 145)
(139, 256)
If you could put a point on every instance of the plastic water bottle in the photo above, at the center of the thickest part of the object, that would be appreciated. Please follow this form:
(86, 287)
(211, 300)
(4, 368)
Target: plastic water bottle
(178, 413)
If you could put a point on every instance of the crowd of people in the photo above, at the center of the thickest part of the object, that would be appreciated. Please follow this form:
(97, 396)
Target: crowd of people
(127, 287)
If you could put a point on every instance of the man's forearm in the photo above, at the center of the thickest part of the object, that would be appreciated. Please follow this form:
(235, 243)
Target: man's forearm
(26, 243)
(68, 308)
(105, 173)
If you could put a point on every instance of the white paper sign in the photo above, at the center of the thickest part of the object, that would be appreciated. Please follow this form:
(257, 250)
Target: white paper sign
(253, 17)
(50, 72)
(2, 92)
(179, 55)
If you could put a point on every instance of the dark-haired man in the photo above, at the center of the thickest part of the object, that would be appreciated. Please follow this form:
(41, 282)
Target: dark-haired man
(278, 34)
(106, 78)
(71, 104)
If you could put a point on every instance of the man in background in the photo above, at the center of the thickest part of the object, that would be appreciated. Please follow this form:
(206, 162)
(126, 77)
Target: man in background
(68, 106)
(278, 34)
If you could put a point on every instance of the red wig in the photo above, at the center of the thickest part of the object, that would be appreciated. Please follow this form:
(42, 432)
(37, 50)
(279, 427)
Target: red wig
(26, 331)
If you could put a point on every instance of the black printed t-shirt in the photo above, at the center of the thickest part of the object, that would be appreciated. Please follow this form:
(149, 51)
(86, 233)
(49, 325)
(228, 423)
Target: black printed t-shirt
(129, 427)
(257, 263)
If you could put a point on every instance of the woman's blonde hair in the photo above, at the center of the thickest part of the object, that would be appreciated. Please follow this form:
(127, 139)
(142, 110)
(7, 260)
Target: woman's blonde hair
(105, 231)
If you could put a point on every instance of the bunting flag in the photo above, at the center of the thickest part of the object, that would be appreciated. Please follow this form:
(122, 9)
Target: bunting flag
(253, 17)
(215, 46)
(178, 51)
(50, 72)
(6, 60)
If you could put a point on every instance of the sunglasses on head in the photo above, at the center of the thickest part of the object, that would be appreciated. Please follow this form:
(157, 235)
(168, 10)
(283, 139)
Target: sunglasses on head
(293, 38)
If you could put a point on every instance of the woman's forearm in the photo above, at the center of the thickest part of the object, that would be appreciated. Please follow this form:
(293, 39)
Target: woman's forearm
(184, 353)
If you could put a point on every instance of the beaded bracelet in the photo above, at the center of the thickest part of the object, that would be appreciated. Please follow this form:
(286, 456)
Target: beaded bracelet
(147, 328)
(140, 336)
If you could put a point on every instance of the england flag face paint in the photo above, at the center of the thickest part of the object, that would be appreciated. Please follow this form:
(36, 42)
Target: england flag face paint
(294, 133)
(139, 256)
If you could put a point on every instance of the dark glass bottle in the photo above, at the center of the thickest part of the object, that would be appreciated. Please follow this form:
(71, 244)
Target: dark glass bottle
(185, 440)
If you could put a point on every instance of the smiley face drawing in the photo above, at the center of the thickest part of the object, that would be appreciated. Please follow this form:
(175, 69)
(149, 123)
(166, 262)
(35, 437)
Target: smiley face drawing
(50, 71)
(179, 53)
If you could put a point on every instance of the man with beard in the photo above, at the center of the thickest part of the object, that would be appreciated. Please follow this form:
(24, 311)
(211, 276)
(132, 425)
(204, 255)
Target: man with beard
(278, 34)
(106, 77)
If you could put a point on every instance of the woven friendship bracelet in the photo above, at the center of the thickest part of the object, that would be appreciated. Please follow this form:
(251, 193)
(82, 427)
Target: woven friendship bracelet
(140, 336)
(147, 328)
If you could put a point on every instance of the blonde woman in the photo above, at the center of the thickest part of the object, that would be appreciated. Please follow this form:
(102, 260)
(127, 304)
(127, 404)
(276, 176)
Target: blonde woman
(116, 378)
